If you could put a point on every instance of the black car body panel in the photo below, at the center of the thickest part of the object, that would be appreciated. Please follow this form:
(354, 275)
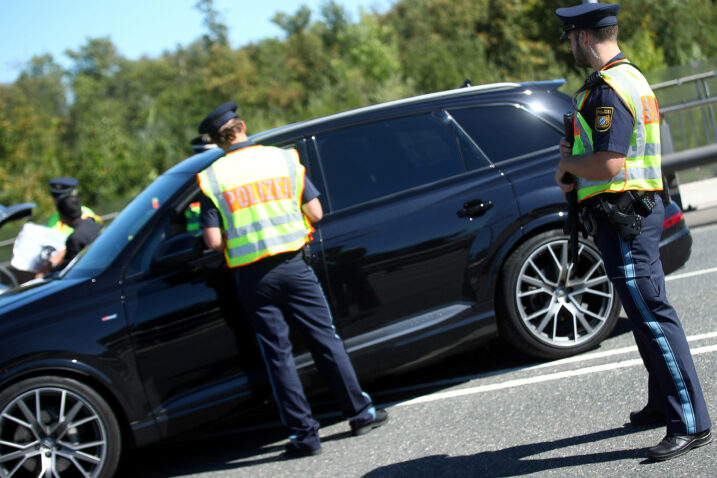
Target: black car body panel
(410, 255)
(676, 240)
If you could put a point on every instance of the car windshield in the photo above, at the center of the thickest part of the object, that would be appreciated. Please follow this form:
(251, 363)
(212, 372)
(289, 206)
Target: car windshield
(112, 240)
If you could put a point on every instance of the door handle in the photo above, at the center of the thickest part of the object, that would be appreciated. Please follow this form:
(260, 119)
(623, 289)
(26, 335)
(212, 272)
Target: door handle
(474, 208)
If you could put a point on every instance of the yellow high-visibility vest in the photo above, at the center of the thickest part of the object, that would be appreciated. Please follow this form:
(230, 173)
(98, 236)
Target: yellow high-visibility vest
(56, 224)
(642, 170)
(191, 214)
(258, 192)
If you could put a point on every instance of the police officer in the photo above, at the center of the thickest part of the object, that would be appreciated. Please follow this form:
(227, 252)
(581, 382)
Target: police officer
(199, 144)
(60, 188)
(258, 210)
(84, 231)
(615, 160)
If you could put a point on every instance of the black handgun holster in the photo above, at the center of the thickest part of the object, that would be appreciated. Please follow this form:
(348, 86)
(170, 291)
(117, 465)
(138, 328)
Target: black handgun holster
(626, 213)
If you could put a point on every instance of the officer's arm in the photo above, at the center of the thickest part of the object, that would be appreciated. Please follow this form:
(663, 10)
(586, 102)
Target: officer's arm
(599, 165)
(313, 210)
(214, 239)
(49, 264)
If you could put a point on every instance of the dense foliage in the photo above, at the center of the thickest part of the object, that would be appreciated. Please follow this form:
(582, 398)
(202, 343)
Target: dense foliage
(115, 124)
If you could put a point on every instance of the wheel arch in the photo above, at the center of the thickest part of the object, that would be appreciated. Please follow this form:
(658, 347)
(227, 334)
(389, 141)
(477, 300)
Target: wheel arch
(551, 219)
(85, 374)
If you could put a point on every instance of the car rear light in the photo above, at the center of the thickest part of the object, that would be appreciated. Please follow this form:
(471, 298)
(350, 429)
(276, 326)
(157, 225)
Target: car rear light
(674, 219)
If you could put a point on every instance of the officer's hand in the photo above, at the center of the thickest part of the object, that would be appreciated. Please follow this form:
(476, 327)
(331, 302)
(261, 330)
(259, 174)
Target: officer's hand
(559, 179)
(566, 150)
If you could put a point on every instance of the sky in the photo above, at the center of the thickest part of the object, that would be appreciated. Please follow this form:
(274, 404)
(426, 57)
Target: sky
(137, 27)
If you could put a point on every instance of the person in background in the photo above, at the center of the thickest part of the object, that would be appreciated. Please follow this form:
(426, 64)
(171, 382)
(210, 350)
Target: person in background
(60, 188)
(199, 144)
(258, 211)
(615, 161)
(84, 231)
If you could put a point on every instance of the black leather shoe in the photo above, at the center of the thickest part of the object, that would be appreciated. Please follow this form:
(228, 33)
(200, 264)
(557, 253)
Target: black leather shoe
(381, 418)
(675, 445)
(293, 451)
(647, 417)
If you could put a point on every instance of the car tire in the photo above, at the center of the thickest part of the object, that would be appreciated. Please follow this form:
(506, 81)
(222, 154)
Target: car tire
(57, 426)
(550, 310)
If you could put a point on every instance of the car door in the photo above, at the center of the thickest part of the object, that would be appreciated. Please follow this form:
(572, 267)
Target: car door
(195, 351)
(530, 162)
(414, 212)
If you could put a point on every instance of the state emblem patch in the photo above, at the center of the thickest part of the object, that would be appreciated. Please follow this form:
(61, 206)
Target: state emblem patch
(603, 118)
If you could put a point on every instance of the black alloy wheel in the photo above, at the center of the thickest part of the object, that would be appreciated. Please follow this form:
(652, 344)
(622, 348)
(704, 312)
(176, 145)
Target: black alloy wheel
(56, 427)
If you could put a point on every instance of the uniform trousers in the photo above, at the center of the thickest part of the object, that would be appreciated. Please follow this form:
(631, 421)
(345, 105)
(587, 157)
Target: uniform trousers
(635, 270)
(284, 286)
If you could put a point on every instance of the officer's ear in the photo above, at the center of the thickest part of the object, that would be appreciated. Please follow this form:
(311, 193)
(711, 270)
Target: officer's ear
(584, 38)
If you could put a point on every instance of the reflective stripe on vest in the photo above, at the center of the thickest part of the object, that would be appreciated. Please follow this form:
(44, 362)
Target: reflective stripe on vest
(258, 191)
(642, 166)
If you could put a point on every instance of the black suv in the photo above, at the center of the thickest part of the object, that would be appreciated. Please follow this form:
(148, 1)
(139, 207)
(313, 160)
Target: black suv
(443, 229)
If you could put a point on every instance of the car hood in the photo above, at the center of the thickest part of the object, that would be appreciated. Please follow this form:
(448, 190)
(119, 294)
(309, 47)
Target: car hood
(33, 291)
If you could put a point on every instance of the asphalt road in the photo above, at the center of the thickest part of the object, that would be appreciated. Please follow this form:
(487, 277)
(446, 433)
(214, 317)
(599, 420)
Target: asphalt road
(491, 413)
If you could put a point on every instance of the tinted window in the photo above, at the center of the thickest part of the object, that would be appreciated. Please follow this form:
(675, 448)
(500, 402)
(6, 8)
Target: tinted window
(504, 132)
(372, 160)
(123, 229)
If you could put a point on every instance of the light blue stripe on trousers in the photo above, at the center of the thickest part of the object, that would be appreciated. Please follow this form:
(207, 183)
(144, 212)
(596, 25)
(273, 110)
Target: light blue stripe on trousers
(664, 344)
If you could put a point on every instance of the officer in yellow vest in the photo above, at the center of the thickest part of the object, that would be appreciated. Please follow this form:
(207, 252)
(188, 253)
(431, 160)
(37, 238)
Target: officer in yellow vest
(258, 211)
(615, 160)
(60, 188)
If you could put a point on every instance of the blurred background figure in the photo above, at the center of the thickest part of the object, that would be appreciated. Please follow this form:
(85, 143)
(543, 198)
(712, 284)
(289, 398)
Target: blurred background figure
(61, 188)
(84, 231)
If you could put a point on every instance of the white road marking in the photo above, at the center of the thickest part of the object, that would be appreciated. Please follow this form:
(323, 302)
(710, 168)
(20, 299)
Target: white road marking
(690, 274)
(542, 378)
(576, 359)
(610, 353)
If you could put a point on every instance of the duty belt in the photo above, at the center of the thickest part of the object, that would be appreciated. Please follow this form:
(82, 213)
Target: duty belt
(623, 211)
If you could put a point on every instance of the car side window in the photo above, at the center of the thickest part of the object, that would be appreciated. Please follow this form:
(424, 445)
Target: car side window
(182, 219)
(372, 160)
(308, 160)
(506, 131)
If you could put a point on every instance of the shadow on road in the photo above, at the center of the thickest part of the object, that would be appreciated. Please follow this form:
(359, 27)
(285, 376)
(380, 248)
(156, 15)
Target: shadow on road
(240, 450)
(513, 461)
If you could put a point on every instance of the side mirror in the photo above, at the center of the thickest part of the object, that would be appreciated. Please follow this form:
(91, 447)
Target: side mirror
(15, 212)
(176, 252)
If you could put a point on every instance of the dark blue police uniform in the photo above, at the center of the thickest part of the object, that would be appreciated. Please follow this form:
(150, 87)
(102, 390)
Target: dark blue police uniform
(285, 285)
(674, 393)
(636, 271)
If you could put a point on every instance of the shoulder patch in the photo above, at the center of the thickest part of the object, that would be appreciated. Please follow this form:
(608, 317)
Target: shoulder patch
(603, 118)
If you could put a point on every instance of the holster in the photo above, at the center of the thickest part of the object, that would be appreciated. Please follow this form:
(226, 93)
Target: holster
(624, 214)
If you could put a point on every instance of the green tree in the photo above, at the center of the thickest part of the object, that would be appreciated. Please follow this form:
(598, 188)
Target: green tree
(33, 123)
(116, 124)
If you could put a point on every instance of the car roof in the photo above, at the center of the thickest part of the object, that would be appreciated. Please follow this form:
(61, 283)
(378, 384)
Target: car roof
(201, 161)
(405, 103)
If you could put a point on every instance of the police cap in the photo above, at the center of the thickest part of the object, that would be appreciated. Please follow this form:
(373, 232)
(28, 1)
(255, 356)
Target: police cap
(587, 15)
(60, 187)
(217, 118)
